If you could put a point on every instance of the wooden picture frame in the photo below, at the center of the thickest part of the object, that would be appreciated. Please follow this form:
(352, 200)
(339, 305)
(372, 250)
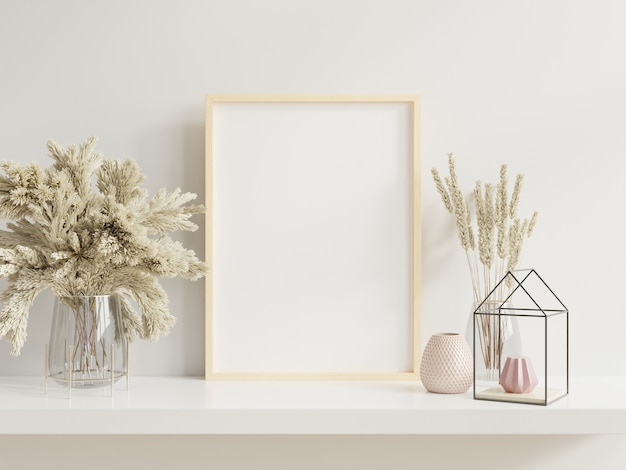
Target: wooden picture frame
(313, 237)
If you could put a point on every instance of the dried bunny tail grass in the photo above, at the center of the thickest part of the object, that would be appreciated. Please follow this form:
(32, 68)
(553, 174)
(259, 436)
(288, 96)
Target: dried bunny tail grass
(517, 188)
(496, 241)
(502, 241)
(513, 229)
(470, 231)
(459, 205)
(502, 206)
(516, 241)
(523, 231)
(465, 232)
(483, 197)
(441, 189)
(532, 223)
(490, 224)
(479, 200)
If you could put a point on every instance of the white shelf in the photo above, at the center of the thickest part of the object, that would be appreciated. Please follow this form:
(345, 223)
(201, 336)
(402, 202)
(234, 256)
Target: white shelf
(185, 405)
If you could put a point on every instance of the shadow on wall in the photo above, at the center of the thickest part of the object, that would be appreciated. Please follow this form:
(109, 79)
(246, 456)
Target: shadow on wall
(192, 151)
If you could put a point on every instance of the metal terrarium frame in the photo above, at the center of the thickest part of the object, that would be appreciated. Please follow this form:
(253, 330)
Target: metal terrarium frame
(498, 312)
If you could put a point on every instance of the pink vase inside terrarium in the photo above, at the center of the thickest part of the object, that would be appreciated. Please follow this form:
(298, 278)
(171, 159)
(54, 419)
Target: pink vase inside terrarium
(518, 375)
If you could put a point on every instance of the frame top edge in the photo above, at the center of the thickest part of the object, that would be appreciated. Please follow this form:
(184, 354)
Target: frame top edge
(304, 98)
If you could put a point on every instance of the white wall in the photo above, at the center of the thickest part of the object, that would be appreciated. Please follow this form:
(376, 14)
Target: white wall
(536, 84)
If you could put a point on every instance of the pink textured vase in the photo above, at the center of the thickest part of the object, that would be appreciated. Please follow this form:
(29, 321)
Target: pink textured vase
(447, 365)
(518, 375)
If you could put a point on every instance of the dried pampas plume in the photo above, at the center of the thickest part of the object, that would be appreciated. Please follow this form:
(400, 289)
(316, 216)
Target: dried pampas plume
(69, 238)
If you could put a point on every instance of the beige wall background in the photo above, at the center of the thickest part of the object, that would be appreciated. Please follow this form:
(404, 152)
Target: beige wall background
(536, 84)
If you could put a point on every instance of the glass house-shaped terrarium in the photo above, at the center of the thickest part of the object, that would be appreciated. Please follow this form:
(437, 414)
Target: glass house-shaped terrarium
(521, 309)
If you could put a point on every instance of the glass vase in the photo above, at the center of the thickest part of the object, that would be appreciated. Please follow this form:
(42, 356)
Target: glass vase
(87, 345)
(494, 338)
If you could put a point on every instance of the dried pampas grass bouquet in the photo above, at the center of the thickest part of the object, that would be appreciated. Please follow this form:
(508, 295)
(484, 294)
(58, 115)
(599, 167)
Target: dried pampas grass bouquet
(84, 226)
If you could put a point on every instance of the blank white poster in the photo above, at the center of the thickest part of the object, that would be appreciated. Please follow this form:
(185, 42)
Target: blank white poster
(312, 238)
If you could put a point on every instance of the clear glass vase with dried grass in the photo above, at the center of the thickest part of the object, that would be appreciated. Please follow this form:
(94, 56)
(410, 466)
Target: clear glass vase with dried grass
(492, 234)
(88, 347)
